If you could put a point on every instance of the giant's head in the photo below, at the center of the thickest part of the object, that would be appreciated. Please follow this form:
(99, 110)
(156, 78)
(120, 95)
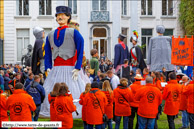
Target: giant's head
(38, 32)
(63, 15)
(160, 29)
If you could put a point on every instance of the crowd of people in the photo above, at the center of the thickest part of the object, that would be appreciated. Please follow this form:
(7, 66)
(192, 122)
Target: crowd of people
(116, 95)
(124, 89)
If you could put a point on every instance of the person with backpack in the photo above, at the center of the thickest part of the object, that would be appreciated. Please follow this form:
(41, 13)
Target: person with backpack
(38, 93)
(95, 102)
(122, 97)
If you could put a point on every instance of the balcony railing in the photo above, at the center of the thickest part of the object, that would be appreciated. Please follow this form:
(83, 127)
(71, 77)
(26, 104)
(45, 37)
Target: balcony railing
(99, 16)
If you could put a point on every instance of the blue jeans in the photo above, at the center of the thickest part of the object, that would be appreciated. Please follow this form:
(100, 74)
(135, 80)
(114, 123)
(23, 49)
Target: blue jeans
(146, 121)
(185, 119)
(85, 125)
(35, 118)
(118, 121)
(191, 120)
(109, 123)
(96, 126)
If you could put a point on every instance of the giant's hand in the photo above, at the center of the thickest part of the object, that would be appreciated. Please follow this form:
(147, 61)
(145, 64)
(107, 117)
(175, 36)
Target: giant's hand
(75, 74)
(47, 72)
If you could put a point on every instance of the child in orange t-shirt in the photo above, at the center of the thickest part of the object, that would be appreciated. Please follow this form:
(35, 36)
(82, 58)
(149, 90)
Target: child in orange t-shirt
(109, 108)
(82, 96)
(64, 107)
(51, 98)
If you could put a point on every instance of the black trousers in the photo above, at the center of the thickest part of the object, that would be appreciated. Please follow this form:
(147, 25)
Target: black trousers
(171, 122)
(131, 118)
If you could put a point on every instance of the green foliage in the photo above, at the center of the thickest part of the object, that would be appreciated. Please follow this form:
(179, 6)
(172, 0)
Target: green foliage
(142, 47)
(186, 16)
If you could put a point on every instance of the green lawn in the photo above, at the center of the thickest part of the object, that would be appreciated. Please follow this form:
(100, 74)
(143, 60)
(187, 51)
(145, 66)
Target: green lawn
(162, 122)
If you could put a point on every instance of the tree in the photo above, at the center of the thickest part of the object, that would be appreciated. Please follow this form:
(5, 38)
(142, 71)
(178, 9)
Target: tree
(186, 16)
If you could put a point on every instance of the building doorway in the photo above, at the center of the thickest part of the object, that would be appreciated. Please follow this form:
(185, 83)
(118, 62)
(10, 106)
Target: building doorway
(99, 40)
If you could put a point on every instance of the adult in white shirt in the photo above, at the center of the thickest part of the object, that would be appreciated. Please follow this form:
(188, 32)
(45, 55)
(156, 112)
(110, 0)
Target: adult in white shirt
(178, 70)
(114, 79)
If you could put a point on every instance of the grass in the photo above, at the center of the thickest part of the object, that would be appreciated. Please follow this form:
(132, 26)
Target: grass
(162, 122)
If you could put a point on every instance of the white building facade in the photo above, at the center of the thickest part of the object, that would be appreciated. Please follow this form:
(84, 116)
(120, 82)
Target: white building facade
(100, 21)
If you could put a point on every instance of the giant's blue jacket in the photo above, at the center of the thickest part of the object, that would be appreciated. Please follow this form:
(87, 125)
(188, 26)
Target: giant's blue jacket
(79, 43)
(120, 55)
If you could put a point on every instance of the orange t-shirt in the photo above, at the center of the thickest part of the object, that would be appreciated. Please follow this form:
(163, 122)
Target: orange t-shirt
(149, 98)
(109, 107)
(134, 87)
(82, 96)
(20, 104)
(171, 95)
(189, 92)
(64, 107)
(3, 109)
(94, 113)
(122, 97)
(51, 99)
(158, 85)
(183, 99)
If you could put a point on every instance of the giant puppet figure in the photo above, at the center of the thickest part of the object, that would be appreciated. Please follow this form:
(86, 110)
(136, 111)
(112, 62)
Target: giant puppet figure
(121, 53)
(38, 51)
(82, 73)
(63, 55)
(159, 52)
(136, 57)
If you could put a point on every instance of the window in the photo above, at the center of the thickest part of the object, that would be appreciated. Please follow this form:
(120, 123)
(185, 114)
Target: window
(45, 7)
(124, 31)
(146, 34)
(124, 7)
(146, 7)
(167, 7)
(168, 32)
(99, 5)
(73, 5)
(22, 7)
(22, 42)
